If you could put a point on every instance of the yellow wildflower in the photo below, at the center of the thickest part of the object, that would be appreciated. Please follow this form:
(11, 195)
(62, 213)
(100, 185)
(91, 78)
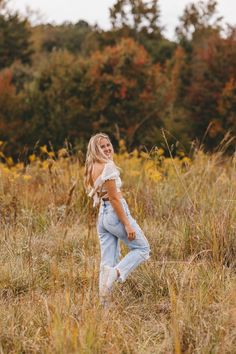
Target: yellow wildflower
(32, 157)
(45, 164)
(51, 153)
(181, 153)
(44, 149)
(154, 176)
(9, 161)
(160, 151)
(144, 155)
(6, 170)
(122, 146)
(62, 153)
(121, 142)
(186, 161)
(134, 153)
(27, 177)
(19, 166)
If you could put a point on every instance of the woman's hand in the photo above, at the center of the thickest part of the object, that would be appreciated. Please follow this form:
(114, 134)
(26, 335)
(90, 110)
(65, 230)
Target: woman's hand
(130, 232)
(114, 198)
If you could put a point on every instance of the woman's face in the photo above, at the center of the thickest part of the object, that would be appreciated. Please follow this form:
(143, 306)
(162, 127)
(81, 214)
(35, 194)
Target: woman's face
(106, 147)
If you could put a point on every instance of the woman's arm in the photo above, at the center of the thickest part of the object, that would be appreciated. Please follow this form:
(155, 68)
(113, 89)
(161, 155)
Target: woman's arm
(114, 198)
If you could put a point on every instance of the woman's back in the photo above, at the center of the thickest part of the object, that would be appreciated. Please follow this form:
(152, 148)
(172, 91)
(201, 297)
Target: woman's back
(97, 171)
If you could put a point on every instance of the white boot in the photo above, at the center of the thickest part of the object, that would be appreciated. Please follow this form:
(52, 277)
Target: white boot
(107, 277)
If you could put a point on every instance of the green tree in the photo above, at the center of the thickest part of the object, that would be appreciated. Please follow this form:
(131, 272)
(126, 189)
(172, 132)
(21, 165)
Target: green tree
(14, 38)
(49, 100)
(139, 15)
(198, 18)
(76, 38)
(140, 20)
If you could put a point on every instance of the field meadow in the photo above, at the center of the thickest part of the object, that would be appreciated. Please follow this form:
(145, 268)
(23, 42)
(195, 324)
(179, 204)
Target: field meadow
(183, 300)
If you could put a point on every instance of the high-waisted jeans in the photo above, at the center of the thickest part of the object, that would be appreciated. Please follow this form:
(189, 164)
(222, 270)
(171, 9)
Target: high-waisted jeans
(110, 231)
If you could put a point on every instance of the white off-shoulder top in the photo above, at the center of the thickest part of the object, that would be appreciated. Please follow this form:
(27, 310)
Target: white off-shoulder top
(110, 171)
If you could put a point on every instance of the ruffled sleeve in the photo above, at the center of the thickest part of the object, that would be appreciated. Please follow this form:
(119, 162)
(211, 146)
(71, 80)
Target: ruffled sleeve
(110, 171)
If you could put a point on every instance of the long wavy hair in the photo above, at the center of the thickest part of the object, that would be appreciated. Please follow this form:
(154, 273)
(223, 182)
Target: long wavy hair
(94, 154)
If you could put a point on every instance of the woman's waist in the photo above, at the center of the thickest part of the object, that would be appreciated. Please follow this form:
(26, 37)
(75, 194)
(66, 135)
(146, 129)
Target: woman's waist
(104, 196)
(106, 203)
(106, 206)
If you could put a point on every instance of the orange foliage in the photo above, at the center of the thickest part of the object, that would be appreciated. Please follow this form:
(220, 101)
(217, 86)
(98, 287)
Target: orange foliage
(228, 97)
(6, 86)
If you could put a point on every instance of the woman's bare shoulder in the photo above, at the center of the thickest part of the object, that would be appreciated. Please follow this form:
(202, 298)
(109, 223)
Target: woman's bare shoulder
(97, 170)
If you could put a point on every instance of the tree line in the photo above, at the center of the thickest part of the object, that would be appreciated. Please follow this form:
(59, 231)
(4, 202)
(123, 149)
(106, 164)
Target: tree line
(68, 81)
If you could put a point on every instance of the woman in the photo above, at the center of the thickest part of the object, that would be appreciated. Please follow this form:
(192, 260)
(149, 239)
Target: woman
(102, 181)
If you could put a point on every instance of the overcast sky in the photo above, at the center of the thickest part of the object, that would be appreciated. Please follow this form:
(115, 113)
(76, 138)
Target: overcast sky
(97, 11)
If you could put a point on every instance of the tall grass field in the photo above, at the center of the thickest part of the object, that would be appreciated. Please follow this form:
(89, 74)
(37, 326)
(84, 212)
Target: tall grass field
(182, 300)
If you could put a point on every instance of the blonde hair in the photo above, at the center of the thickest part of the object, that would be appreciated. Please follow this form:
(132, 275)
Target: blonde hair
(94, 154)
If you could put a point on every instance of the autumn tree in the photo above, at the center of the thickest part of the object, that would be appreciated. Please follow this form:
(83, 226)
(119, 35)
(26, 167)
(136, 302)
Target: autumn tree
(128, 81)
(206, 66)
(227, 106)
(12, 128)
(126, 91)
(117, 90)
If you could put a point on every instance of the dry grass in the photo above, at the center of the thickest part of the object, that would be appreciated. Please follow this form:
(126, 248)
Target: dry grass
(181, 301)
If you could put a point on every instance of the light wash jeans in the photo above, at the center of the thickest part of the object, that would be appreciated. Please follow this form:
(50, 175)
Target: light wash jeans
(110, 231)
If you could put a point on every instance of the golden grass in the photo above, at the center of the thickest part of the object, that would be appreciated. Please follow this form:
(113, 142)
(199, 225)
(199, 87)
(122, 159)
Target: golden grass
(181, 301)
